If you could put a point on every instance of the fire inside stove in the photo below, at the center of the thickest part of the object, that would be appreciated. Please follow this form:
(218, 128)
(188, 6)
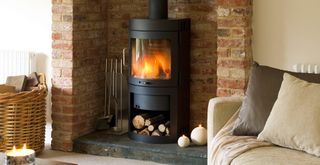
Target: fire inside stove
(151, 59)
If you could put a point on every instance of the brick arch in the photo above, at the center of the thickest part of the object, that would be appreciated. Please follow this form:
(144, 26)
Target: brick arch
(83, 36)
(203, 44)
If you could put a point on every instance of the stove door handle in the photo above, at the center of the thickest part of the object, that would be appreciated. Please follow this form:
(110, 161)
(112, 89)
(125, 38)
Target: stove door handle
(144, 82)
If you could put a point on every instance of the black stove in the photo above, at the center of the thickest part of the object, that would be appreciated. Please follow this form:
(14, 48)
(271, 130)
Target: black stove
(159, 70)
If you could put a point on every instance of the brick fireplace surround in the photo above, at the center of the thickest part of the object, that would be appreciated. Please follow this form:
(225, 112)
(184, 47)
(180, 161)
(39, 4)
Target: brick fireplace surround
(85, 32)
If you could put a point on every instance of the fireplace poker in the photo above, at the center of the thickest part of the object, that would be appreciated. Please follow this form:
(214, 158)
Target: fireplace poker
(121, 77)
(115, 93)
(107, 120)
(111, 85)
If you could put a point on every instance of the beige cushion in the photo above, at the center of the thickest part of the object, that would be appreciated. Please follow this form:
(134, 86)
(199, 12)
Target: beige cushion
(261, 94)
(294, 121)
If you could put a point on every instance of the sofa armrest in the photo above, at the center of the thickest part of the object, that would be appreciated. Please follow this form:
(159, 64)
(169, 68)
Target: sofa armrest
(220, 109)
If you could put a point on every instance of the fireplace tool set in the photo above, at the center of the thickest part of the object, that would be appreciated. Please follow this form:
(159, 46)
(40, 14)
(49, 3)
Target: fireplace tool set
(115, 109)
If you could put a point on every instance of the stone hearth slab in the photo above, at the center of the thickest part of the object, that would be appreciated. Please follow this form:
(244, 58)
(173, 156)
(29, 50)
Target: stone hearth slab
(100, 143)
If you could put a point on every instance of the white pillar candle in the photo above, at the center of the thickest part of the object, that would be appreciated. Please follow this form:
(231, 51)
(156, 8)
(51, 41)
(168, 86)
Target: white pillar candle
(22, 156)
(183, 141)
(316, 70)
(309, 69)
(199, 135)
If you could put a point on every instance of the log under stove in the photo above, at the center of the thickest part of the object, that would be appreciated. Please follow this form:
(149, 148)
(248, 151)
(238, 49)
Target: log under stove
(159, 70)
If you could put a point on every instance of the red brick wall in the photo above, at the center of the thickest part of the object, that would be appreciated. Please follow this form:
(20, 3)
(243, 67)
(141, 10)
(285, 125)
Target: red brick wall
(119, 13)
(233, 46)
(79, 49)
(203, 54)
(203, 46)
(86, 31)
(62, 53)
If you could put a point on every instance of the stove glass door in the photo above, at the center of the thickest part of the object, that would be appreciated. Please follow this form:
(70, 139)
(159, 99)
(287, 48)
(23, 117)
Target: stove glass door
(151, 59)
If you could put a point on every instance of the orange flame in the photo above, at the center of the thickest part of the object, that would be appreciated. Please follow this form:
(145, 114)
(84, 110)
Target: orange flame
(154, 66)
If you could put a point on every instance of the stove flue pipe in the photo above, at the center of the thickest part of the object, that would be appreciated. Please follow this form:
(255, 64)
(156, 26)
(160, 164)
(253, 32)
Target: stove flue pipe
(158, 9)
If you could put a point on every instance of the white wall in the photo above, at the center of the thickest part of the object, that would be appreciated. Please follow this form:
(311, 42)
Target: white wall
(286, 32)
(26, 25)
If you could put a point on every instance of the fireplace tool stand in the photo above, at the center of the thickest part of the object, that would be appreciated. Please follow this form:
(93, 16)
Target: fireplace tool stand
(115, 115)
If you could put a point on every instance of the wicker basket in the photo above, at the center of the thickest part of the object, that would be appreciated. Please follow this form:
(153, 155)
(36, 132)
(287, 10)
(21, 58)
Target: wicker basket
(23, 118)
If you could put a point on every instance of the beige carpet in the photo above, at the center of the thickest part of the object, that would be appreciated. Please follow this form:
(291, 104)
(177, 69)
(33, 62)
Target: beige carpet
(84, 159)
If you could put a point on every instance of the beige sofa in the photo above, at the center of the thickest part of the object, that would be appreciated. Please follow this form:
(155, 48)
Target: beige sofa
(220, 110)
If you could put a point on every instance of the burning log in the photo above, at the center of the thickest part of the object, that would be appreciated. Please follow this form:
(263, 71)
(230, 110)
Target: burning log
(139, 120)
(153, 120)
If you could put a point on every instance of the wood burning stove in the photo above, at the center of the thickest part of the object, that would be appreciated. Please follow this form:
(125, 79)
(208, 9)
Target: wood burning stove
(159, 50)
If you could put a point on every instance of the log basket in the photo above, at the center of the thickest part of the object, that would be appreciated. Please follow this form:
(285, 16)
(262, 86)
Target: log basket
(23, 118)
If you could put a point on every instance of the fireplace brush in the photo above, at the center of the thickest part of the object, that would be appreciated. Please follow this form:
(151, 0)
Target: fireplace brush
(107, 120)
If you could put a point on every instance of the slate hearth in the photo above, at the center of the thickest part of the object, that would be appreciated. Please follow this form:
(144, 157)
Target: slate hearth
(100, 143)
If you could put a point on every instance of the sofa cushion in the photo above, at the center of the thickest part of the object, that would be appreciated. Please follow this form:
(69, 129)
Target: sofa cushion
(294, 121)
(262, 91)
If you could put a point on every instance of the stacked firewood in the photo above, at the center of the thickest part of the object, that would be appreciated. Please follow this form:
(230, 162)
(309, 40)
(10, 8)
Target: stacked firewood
(16, 84)
(151, 125)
